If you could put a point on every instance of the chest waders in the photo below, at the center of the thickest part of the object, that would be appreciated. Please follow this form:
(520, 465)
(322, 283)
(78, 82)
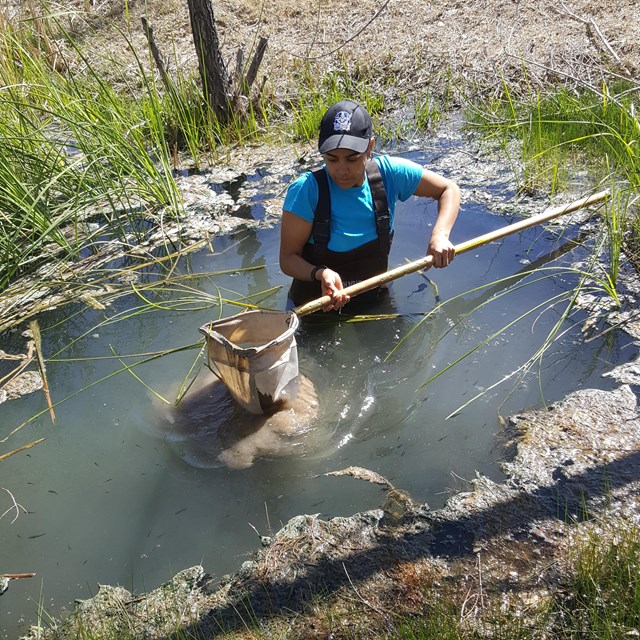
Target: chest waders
(353, 266)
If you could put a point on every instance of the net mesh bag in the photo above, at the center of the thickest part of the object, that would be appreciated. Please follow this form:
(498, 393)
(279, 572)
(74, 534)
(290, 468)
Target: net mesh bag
(254, 354)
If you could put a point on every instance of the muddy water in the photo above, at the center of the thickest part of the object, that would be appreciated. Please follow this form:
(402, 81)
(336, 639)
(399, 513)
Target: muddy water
(128, 490)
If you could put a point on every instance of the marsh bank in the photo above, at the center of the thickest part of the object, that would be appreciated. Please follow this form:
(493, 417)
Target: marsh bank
(575, 467)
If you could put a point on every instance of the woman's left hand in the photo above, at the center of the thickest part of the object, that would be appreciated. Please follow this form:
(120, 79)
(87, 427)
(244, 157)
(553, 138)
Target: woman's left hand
(442, 250)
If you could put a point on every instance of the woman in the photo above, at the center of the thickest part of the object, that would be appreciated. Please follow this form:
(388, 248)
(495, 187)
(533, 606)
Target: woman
(337, 222)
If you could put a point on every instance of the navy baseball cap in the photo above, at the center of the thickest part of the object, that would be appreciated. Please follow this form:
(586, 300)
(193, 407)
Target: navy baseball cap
(345, 125)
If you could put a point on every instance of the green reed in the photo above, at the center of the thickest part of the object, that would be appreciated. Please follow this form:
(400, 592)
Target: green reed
(72, 150)
(78, 148)
(561, 133)
(589, 280)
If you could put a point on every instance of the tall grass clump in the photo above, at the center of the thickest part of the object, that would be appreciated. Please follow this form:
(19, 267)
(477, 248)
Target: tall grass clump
(561, 132)
(73, 149)
(192, 127)
(601, 597)
(599, 128)
(78, 147)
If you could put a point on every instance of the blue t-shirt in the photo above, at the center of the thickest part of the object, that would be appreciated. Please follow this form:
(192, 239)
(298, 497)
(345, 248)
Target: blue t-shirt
(352, 215)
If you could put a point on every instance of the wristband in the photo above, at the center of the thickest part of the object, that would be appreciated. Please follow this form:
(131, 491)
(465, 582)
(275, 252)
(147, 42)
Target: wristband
(315, 270)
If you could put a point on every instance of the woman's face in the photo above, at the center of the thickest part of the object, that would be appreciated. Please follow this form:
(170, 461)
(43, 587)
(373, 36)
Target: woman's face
(347, 167)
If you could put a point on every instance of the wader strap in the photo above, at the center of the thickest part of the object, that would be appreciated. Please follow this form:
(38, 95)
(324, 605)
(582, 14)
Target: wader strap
(322, 217)
(380, 205)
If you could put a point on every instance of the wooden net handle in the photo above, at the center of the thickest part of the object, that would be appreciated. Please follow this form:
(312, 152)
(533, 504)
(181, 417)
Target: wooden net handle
(416, 265)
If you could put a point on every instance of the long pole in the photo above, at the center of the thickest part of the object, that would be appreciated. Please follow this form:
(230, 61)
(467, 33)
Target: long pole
(416, 265)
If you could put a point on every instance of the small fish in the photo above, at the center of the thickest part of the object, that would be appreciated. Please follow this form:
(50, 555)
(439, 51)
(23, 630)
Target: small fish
(180, 511)
(38, 535)
(52, 491)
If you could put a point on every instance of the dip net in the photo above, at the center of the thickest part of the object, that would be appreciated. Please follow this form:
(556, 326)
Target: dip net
(254, 354)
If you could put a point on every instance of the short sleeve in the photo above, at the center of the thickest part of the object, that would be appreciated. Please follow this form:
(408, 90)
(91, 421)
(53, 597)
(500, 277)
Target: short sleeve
(401, 176)
(302, 197)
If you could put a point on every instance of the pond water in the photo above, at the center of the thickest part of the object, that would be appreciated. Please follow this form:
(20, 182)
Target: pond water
(128, 491)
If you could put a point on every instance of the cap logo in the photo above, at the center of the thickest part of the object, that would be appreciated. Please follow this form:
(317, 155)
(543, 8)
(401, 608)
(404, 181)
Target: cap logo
(342, 121)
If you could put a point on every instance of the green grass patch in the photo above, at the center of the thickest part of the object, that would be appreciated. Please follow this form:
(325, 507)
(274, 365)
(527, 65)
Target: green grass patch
(602, 596)
(552, 136)
(561, 129)
(317, 94)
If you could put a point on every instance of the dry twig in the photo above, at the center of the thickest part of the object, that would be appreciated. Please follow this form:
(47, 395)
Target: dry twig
(37, 340)
(22, 448)
(17, 506)
(26, 361)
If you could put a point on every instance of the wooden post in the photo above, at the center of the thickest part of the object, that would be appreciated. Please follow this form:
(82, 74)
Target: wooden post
(255, 64)
(213, 71)
(155, 52)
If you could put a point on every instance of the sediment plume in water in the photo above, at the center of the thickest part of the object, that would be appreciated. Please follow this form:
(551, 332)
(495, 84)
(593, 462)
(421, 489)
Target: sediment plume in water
(209, 429)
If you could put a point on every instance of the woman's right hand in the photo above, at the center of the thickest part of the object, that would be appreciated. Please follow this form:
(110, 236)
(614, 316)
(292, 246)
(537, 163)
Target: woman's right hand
(332, 286)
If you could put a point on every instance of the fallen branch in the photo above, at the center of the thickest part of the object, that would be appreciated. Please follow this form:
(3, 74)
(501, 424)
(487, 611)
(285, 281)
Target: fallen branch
(26, 361)
(346, 42)
(591, 25)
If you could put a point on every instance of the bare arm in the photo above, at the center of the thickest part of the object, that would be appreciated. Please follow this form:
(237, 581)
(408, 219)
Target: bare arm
(447, 195)
(294, 234)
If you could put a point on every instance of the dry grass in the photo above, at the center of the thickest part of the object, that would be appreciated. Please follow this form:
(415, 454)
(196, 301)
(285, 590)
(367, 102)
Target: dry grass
(408, 47)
